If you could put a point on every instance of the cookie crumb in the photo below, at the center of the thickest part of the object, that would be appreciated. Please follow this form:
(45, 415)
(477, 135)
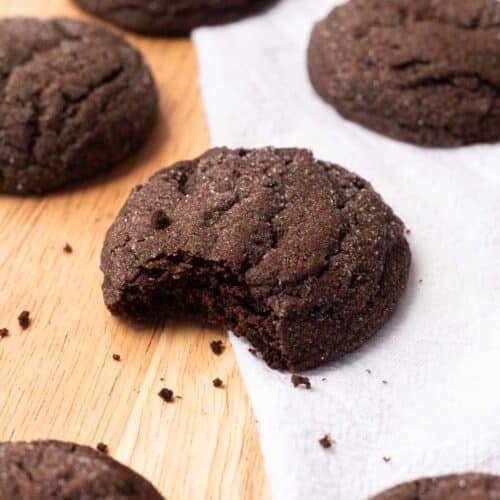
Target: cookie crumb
(167, 395)
(4, 333)
(323, 379)
(68, 248)
(386, 459)
(218, 382)
(420, 281)
(326, 441)
(298, 380)
(217, 347)
(103, 448)
(385, 382)
(368, 371)
(24, 320)
(252, 351)
(160, 220)
(408, 231)
(117, 357)
(162, 379)
(178, 397)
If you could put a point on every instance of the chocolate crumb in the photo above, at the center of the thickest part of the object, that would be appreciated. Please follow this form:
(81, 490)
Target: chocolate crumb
(253, 352)
(326, 441)
(420, 281)
(217, 347)
(299, 380)
(160, 220)
(167, 395)
(218, 382)
(385, 382)
(4, 333)
(386, 459)
(24, 319)
(103, 448)
(368, 371)
(117, 357)
(323, 379)
(408, 231)
(162, 379)
(68, 248)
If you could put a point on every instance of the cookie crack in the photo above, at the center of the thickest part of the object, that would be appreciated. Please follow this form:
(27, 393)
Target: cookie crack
(110, 78)
(217, 214)
(436, 82)
(450, 80)
(275, 234)
(280, 194)
(335, 250)
(37, 133)
(410, 63)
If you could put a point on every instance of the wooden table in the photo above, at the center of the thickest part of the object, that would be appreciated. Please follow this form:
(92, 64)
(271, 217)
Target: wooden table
(58, 379)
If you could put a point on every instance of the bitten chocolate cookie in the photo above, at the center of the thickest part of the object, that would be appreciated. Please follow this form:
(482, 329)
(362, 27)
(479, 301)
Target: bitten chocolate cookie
(171, 17)
(457, 487)
(300, 256)
(51, 469)
(74, 100)
(423, 71)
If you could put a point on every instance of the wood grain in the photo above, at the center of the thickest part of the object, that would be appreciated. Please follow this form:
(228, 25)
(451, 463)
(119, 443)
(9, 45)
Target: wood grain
(58, 378)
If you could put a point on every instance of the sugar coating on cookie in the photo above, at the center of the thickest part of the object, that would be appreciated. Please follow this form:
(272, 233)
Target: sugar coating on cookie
(454, 487)
(171, 17)
(40, 470)
(301, 257)
(422, 71)
(74, 100)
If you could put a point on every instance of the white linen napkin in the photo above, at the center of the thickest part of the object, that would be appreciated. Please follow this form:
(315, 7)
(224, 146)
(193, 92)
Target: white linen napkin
(440, 354)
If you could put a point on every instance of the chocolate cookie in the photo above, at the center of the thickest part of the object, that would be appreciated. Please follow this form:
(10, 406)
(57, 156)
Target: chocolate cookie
(56, 470)
(74, 100)
(300, 256)
(457, 487)
(171, 17)
(423, 71)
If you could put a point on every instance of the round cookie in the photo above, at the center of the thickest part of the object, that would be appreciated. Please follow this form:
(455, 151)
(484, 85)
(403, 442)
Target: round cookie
(422, 71)
(74, 100)
(66, 471)
(454, 487)
(298, 255)
(171, 17)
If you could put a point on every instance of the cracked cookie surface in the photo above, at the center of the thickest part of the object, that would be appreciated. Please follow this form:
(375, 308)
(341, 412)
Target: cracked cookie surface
(52, 469)
(422, 71)
(171, 17)
(300, 256)
(453, 487)
(74, 100)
